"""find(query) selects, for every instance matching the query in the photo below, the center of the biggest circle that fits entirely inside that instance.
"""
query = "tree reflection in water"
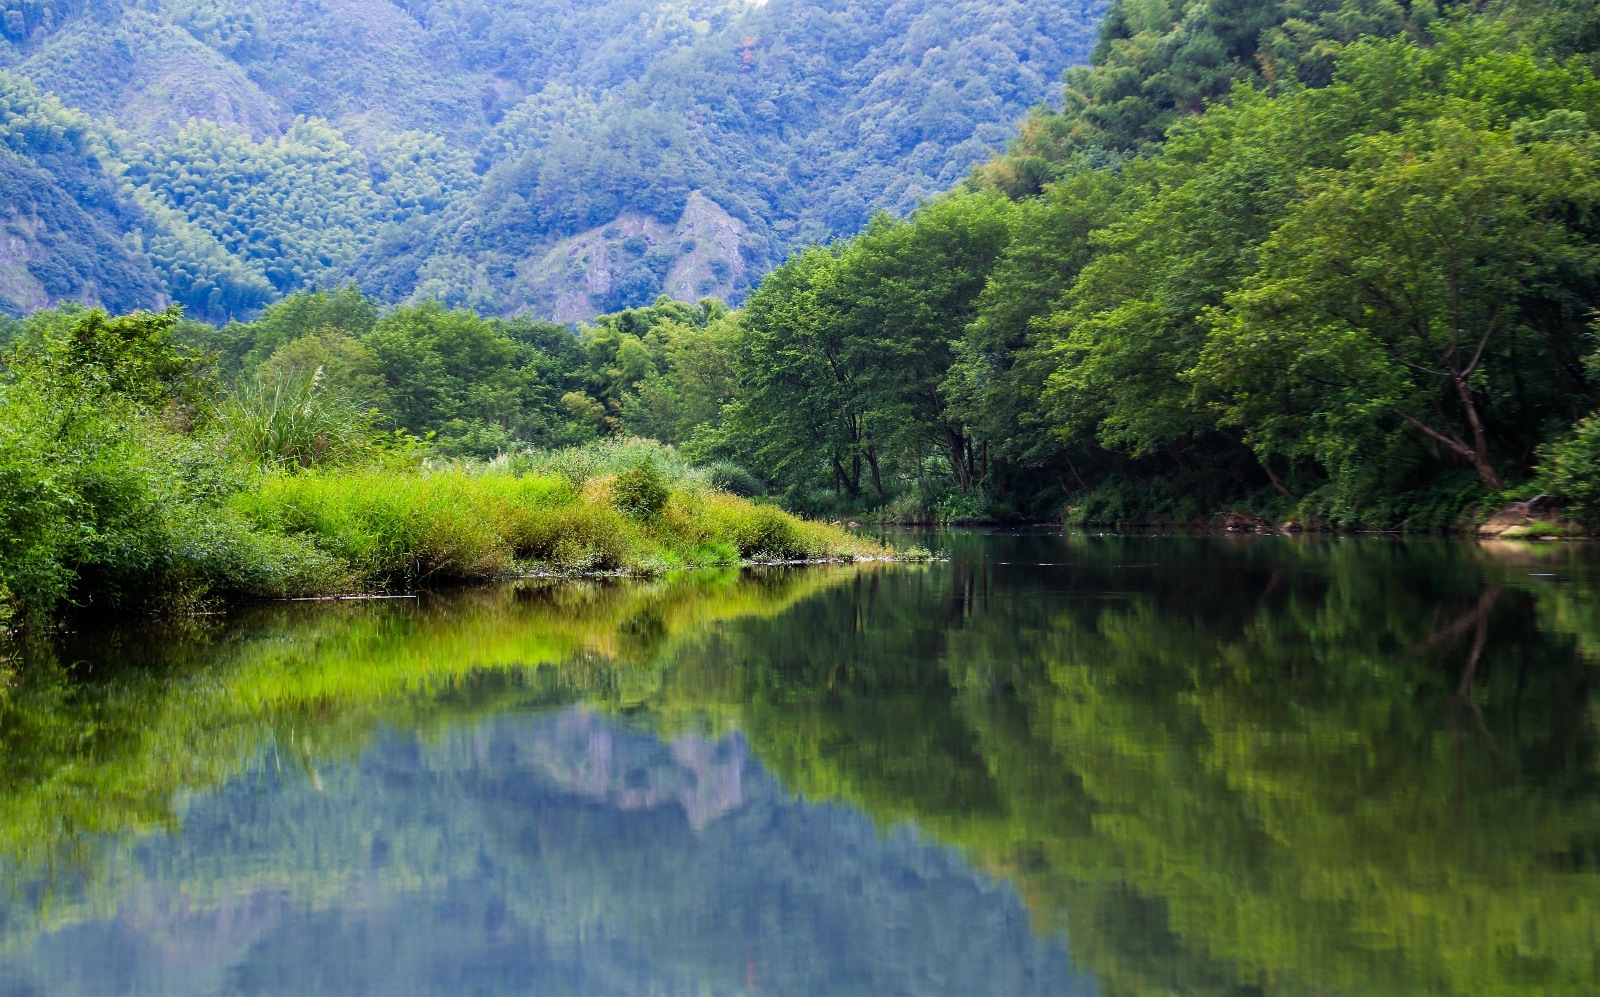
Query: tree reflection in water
(1276, 765)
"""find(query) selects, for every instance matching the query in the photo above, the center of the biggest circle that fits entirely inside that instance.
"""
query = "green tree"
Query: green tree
(906, 293)
(799, 399)
(1003, 358)
(847, 351)
(1394, 289)
(341, 364)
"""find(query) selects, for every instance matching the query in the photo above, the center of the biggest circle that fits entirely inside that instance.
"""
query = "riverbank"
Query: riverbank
(377, 530)
(1538, 518)
(465, 523)
(1462, 511)
(131, 484)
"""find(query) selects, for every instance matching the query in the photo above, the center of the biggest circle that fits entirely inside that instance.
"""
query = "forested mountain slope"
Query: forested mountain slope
(503, 154)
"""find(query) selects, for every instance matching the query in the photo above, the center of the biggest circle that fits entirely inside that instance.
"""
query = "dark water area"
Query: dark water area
(1054, 764)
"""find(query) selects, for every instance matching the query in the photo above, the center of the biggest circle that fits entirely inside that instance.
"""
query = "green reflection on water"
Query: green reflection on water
(1285, 766)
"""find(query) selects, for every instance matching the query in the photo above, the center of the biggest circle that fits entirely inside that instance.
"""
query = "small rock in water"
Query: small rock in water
(855, 525)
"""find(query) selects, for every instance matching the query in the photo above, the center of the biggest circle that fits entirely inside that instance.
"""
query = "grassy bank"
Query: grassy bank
(276, 533)
(465, 522)
(130, 482)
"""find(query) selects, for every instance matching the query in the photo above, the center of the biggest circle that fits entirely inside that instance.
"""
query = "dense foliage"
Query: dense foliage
(130, 482)
(483, 387)
(1331, 264)
(1365, 302)
(223, 153)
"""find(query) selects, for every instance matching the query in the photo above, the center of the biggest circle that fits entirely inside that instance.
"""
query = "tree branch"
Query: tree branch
(1453, 444)
(1478, 353)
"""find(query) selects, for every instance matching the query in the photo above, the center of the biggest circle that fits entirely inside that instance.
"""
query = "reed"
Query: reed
(292, 421)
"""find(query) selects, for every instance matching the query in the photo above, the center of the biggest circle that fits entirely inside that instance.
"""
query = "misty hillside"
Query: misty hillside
(511, 155)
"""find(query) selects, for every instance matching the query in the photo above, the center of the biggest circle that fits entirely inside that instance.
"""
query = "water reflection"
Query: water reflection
(1206, 765)
(555, 853)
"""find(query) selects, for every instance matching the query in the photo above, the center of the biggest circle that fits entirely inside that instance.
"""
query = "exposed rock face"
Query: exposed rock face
(634, 257)
(714, 267)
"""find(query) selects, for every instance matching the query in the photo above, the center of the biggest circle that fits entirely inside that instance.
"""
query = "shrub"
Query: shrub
(579, 536)
(606, 458)
(1570, 469)
(464, 439)
(106, 499)
(734, 480)
(640, 492)
(101, 505)
(765, 532)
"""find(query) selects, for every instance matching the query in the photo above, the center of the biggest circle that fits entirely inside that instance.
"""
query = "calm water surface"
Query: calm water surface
(1056, 764)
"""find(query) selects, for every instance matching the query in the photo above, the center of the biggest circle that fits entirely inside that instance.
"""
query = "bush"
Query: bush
(607, 458)
(104, 500)
(1570, 469)
(580, 536)
(640, 492)
(485, 441)
(733, 479)
(766, 532)
(107, 509)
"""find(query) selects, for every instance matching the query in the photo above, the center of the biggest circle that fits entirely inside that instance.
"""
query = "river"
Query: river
(1053, 764)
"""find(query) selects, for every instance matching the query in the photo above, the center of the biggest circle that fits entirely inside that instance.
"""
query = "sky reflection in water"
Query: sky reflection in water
(559, 852)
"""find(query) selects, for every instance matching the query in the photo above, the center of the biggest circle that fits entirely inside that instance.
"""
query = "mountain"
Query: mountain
(563, 158)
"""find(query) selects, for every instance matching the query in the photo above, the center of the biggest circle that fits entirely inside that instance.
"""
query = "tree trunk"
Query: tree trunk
(955, 444)
(1479, 463)
(1277, 482)
(1480, 439)
(877, 479)
(855, 474)
(1074, 469)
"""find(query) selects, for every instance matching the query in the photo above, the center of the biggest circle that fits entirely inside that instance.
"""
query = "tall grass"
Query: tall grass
(293, 421)
(614, 457)
(464, 522)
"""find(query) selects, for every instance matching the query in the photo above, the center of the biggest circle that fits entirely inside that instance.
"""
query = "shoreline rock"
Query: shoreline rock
(1538, 518)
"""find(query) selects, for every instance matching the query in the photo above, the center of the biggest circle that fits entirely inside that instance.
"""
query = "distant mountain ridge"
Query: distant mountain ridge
(510, 155)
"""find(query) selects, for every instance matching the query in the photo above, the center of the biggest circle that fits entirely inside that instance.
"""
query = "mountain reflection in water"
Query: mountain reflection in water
(555, 853)
(1056, 764)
